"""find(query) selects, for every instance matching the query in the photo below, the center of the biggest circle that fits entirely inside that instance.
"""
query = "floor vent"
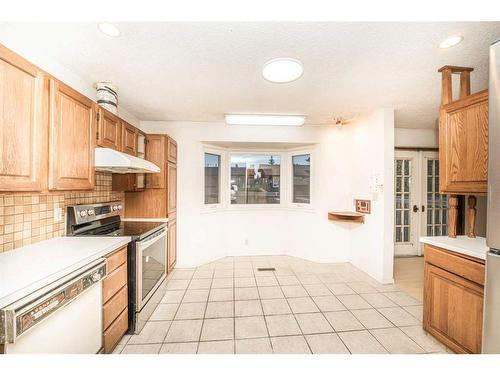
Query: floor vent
(266, 269)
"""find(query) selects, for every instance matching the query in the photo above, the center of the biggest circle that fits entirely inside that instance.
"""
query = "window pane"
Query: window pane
(255, 179)
(301, 178)
(212, 170)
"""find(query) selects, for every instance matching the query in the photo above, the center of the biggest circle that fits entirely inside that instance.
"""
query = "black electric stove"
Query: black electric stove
(146, 253)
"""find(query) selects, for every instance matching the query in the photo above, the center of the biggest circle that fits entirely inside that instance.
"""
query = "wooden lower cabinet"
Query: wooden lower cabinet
(115, 300)
(453, 299)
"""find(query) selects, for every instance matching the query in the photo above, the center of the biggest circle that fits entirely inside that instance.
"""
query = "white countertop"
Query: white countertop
(152, 220)
(29, 268)
(474, 247)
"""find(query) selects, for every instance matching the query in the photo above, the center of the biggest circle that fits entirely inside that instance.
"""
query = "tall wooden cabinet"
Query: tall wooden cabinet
(71, 139)
(463, 144)
(23, 130)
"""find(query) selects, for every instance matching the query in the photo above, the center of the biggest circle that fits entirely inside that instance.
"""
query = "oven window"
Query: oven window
(153, 265)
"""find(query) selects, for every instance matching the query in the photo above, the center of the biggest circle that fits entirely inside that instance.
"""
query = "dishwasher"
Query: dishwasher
(64, 317)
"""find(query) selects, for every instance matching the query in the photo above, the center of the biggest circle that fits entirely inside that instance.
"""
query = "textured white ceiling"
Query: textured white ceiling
(199, 71)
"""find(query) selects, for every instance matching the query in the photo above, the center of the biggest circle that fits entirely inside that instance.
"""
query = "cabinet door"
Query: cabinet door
(453, 309)
(129, 139)
(171, 190)
(23, 127)
(71, 139)
(172, 151)
(109, 133)
(463, 145)
(172, 245)
(155, 153)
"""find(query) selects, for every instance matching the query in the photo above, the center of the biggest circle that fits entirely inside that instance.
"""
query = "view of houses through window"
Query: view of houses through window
(301, 178)
(255, 179)
(212, 173)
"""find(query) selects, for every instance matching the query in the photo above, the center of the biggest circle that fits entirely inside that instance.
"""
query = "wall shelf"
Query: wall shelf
(346, 216)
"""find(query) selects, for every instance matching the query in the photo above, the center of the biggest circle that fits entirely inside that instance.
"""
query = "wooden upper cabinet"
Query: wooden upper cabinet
(109, 133)
(463, 137)
(156, 147)
(172, 150)
(129, 139)
(71, 139)
(171, 190)
(23, 124)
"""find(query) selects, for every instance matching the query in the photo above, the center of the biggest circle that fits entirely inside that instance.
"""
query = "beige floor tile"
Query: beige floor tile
(317, 290)
(141, 349)
(242, 294)
(290, 345)
(377, 300)
(423, 339)
(343, 321)
(328, 303)
(354, 301)
(253, 346)
(395, 341)
(398, 316)
(222, 283)
(125, 339)
(302, 305)
(198, 295)
(224, 309)
(217, 329)
(179, 348)
(284, 271)
(371, 319)
(118, 349)
(203, 274)
(291, 291)
(173, 296)
(416, 311)
(361, 342)
(191, 310)
(250, 327)
(216, 347)
(361, 287)
(221, 273)
(225, 294)
(306, 279)
(275, 306)
(200, 284)
(266, 281)
(313, 323)
(164, 311)
(184, 331)
(180, 274)
(270, 292)
(152, 333)
(340, 289)
(327, 343)
(248, 308)
(243, 272)
(244, 282)
(282, 325)
(409, 276)
(288, 280)
(402, 299)
(177, 284)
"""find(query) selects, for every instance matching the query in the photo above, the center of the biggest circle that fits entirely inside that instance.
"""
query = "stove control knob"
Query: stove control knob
(120, 206)
(90, 212)
(83, 213)
(96, 277)
(115, 208)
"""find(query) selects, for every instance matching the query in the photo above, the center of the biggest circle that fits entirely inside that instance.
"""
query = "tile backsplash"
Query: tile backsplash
(26, 218)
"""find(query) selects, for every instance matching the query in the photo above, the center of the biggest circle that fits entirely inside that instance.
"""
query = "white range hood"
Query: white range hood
(109, 160)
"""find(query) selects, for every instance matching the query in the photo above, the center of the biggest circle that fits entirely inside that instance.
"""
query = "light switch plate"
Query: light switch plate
(57, 214)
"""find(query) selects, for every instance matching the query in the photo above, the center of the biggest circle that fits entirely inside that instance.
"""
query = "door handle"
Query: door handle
(423, 208)
(415, 208)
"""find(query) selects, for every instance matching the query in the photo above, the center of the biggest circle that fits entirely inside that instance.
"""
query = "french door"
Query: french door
(419, 208)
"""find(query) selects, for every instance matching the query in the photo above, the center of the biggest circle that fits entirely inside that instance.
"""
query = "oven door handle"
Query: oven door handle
(146, 244)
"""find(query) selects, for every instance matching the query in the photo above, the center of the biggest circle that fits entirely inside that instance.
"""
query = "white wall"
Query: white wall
(27, 47)
(339, 158)
(416, 137)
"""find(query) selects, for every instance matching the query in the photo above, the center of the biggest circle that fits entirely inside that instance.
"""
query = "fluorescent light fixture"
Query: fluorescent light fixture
(452, 41)
(109, 29)
(279, 120)
(282, 70)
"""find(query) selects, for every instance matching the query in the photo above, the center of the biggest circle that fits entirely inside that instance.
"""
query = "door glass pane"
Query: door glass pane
(301, 178)
(212, 173)
(437, 204)
(403, 197)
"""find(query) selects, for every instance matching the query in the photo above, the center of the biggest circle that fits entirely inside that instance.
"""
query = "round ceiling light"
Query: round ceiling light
(109, 29)
(450, 42)
(282, 70)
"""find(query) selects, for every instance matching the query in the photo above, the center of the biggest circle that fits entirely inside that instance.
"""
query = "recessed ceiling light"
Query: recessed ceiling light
(282, 70)
(450, 42)
(284, 120)
(109, 29)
